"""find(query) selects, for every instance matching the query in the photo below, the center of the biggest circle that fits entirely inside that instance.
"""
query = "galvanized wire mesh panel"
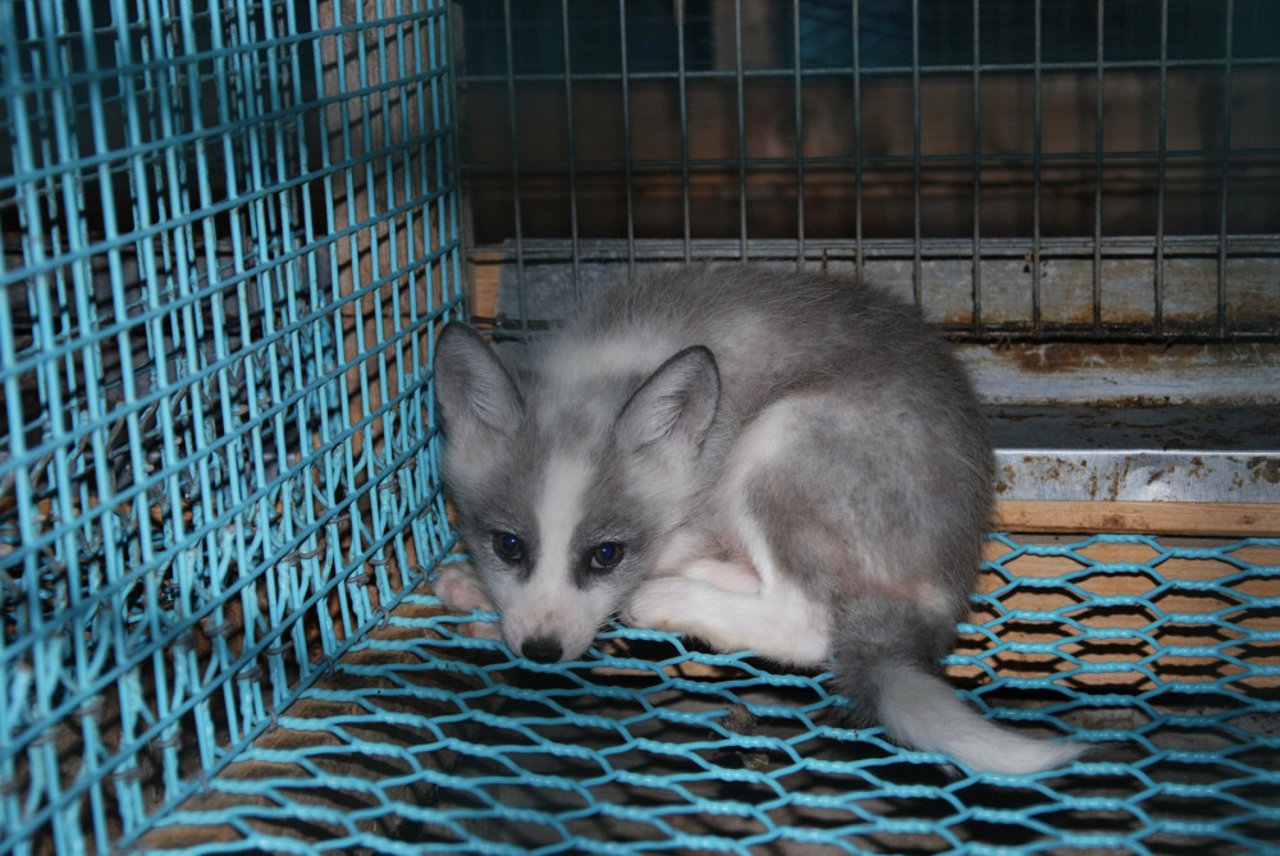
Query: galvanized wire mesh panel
(1161, 654)
(1039, 169)
(229, 230)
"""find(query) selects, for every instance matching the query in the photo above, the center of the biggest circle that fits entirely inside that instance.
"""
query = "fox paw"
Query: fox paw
(458, 590)
(656, 604)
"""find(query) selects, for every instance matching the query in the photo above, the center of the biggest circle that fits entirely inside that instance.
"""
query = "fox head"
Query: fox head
(567, 481)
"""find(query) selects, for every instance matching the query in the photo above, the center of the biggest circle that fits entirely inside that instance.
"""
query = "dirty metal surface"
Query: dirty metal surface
(1132, 454)
(1155, 375)
(1074, 420)
(989, 300)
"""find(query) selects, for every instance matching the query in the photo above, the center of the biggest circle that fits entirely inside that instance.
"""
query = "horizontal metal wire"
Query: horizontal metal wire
(656, 249)
(867, 72)
(1143, 156)
(167, 63)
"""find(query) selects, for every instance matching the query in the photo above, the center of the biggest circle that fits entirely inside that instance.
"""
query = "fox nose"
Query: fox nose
(542, 649)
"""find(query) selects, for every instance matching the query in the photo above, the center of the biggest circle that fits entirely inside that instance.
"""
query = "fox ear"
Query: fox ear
(678, 401)
(472, 385)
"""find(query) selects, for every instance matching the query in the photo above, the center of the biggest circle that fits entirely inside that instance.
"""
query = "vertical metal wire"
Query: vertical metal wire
(857, 146)
(626, 142)
(795, 45)
(84, 584)
(82, 578)
(93, 369)
(739, 79)
(448, 165)
(977, 169)
(360, 310)
(308, 298)
(1157, 316)
(1227, 50)
(133, 708)
(226, 382)
(916, 164)
(176, 204)
(682, 83)
(1036, 167)
(572, 153)
(1097, 172)
(522, 298)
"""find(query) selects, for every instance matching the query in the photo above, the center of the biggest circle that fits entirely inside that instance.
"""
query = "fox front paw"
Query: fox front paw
(458, 590)
(656, 604)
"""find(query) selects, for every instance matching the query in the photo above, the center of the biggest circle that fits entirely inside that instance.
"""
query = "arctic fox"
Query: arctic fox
(784, 462)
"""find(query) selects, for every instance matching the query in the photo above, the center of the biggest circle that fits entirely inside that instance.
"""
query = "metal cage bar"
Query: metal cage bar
(916, 159)
(740, 91)
(977, 169)
(1098, 138)
(686, 219)
(798, 95)
(1157, 309)
(1160, 168)
(571, 151)
(1227, 51)
(229, 232)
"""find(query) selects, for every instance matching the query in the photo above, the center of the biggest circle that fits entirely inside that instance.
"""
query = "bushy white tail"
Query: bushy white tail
(884, 649)
(922, 711)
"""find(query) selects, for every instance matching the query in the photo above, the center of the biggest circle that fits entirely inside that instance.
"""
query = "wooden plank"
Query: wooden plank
(1160, 518)
(485, 281)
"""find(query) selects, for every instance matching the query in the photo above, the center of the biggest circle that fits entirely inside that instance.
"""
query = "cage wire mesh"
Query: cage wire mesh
(230, 231)
(1162, 654)
(1020, 170)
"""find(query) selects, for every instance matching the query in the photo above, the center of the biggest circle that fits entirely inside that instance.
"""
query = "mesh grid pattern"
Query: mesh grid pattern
(1161, 654)
(229, 232)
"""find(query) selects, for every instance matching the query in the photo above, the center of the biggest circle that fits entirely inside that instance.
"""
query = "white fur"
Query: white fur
(560, 509)
(728, 576)
(767, 434)
(741, 606)
(735, 607)
(923, 711)
(784, 625)
(641, 352)
(548, 604)
(457, 588)
(804, 624)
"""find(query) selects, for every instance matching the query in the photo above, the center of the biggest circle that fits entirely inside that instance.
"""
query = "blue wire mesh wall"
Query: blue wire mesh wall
(229, 232)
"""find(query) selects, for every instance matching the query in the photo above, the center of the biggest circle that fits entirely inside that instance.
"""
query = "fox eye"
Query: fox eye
(508, 547)
(605, 556)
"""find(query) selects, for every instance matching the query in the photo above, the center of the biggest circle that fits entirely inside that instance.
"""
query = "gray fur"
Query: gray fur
(872, 509)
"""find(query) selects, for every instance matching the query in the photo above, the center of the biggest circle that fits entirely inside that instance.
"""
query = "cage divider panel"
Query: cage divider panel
(232, 229)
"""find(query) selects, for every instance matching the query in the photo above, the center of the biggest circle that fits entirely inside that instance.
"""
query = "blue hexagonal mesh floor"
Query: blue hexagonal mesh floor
(1161, 654)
